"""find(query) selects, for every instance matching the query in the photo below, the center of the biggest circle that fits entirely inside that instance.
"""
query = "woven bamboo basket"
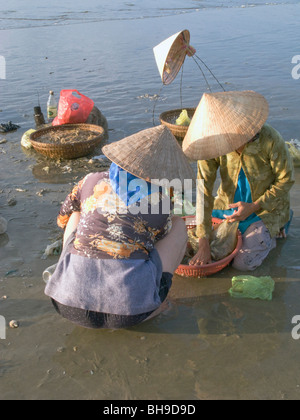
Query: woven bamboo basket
(203, 271)
(169, 118)
(71, 150)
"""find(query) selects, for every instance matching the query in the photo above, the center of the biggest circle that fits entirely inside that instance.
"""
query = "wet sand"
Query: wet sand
(207, 345)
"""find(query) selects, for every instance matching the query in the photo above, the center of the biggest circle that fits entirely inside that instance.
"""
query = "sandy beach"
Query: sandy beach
(207, 345)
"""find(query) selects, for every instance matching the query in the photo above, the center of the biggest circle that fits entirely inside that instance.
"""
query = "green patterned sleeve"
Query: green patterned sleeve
(207, 171)
(283, 171)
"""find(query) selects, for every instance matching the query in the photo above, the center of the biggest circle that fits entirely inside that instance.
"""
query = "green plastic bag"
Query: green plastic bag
(252, 287)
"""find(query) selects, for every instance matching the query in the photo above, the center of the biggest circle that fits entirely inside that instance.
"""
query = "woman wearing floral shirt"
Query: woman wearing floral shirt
(121, 247)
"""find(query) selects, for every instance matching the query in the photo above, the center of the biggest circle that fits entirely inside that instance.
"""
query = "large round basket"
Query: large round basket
(169, 118)
(203, 271)
(72, 149)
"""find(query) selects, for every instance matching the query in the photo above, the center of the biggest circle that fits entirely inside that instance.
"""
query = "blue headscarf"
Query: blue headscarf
(127, 186)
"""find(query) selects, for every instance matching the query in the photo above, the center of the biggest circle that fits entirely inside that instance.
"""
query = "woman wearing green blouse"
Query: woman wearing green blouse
(229, 135)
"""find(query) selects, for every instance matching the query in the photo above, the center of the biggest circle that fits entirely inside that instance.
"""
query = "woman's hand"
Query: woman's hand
(203, 256)
(242, 211)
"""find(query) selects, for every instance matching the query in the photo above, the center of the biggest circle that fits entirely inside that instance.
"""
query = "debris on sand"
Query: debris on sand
(6, 127)
(3, 225)
(14, 324)
(53, 249)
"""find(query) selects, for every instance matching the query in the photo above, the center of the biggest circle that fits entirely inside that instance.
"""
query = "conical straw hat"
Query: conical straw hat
(170, 55)
(224, 122)
(151, 154)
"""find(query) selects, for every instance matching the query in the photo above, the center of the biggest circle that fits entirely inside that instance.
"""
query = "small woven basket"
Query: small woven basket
(169, 118)
(203, 271)
(72, 149)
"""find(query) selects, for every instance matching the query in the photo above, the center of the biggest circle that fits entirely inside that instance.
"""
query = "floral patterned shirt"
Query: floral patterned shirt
(107, 228)
(269, 170)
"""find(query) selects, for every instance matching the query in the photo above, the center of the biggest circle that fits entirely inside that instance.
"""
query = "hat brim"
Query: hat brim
(170, 55)
(152, 154)
(224, 122)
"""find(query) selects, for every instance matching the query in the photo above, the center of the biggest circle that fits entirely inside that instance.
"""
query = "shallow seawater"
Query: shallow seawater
(207, 345)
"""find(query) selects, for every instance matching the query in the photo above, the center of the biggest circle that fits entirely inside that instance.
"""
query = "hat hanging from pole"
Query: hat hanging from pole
(224, 122)
(151, 154)
(170, 55)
